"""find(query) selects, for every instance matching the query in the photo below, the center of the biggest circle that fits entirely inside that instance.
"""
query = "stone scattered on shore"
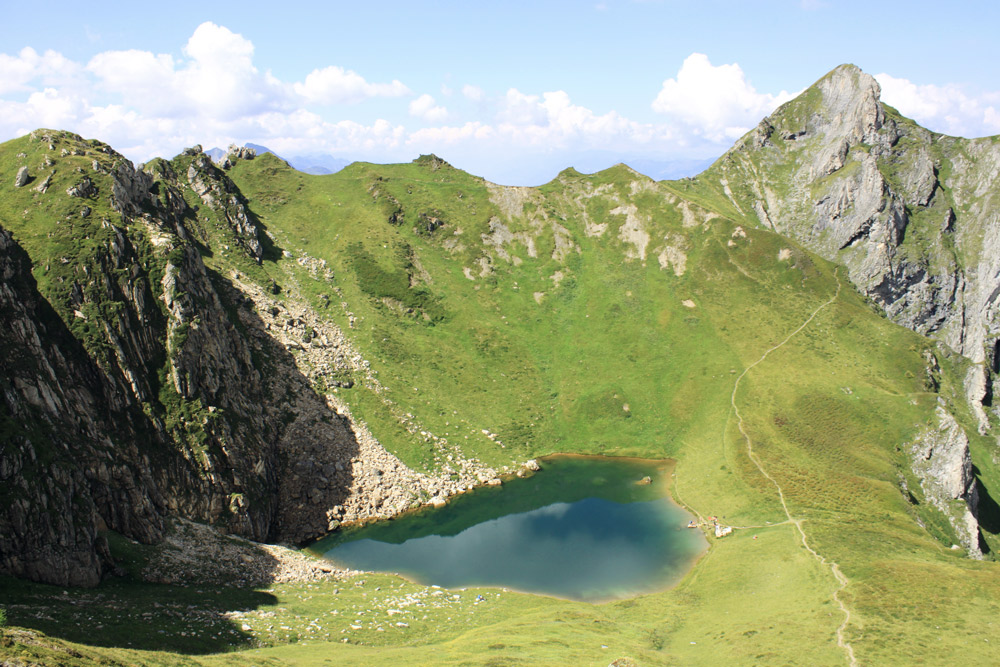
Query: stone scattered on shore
(194, 553)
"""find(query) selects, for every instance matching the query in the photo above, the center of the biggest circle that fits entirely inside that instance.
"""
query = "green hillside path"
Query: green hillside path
(834, 568)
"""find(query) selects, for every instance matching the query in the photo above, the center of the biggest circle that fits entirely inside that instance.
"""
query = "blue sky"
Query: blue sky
(514, 92)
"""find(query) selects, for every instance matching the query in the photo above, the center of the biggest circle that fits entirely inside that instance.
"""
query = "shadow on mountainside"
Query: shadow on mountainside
(315, 445)
(198, 591)
(988, 512)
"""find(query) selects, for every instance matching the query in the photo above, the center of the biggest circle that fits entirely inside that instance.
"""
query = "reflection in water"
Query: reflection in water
(589, 549)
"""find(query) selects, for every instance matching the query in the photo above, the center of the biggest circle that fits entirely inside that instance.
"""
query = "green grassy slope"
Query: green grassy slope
(512, 311)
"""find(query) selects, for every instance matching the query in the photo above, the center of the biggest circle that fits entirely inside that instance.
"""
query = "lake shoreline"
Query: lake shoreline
(600, 509)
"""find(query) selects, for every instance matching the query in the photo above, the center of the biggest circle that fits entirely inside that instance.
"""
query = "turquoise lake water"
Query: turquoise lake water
(581, 528)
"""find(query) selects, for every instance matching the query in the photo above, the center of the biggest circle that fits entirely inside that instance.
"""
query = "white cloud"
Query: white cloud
(535, 136)
(551, 119)
(46, 108)
(474, 93)
(717, 103)
(148, 104)
(425, 107)
(142, 80)
(946, 109)
(221, 78)
(218, 80)
(335, 85)
(471, 131)
(213, 92)
(518, 108)
(16, 72)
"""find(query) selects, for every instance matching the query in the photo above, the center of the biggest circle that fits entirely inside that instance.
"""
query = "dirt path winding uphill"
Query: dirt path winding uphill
(834, 567)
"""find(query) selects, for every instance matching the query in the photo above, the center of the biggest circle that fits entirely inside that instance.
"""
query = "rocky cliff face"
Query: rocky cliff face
(910, 213)
(141, 383)
(942, 462)
(57, 409)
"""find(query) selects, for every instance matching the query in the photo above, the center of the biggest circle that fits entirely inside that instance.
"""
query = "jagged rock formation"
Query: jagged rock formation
(219, 194)
(235, 153)
(57, 408)
(145, 385)
(942, 462)
(910, 213)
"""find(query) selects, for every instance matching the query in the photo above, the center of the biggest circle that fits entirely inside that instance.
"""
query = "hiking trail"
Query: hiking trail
(834, 567)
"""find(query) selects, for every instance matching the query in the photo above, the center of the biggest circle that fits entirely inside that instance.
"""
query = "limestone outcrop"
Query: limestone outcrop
(21, 179)
(942, 462)
(910, 213)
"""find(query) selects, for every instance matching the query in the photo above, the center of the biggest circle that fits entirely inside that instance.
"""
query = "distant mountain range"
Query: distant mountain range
(660, 170)
(309, 164)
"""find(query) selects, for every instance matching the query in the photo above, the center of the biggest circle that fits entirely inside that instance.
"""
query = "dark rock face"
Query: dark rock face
(161, 407)
(60, 472)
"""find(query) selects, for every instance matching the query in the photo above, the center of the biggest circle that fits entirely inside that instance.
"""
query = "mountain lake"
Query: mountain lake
(583, 528)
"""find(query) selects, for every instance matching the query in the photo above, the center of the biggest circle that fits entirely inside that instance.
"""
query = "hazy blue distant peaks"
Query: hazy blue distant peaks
(309, 164)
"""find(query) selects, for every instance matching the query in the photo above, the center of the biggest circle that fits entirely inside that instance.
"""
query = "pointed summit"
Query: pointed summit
(843, 108)
(852, 179)
(852, 104)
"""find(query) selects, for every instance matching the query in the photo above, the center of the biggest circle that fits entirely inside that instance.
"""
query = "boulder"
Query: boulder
(85, 188)
(44, 185)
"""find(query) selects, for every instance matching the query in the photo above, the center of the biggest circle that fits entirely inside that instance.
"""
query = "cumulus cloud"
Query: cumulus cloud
(553, 120)
(947, 109)
(211, 91)
(148, 104)
(518, 108)
(717, 103)
(425, 107)
(335, 85)
(218, 79)
(544, 123)
(45, 108)
(432, 136)
(474, 93)
(51, 67)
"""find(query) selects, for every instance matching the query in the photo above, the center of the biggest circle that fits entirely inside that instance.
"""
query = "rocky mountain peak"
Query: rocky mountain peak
(852, 105)
(902, 208)
(841, 110)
